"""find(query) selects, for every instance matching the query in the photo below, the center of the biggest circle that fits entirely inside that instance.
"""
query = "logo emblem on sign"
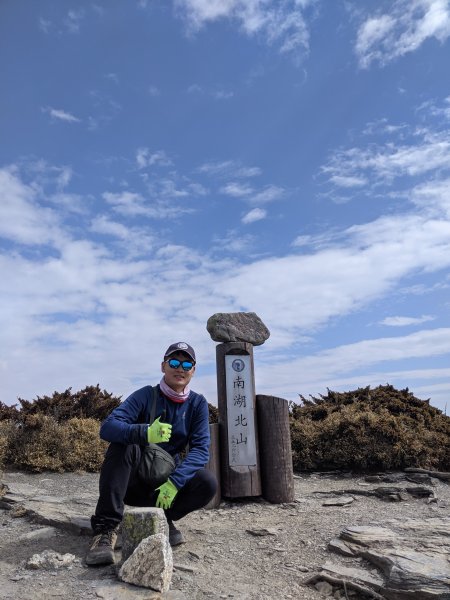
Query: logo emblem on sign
(238, 365)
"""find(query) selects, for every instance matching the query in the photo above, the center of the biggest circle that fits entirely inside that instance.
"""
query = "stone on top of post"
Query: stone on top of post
(237, 327)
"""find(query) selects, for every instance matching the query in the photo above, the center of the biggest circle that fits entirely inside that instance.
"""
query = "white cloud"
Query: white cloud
(22, 219)
(61, 115)
(237, 190)
(132, 204)
(383, 163)
(73, 20)
(268, 194)
(44, 25)
(278, 22)
(347, 181)
(257, 214)
(408, 25)
(154, 91)
(145, 158)
(223, 94)
(106, 226)
(229, 169)
(405, 321)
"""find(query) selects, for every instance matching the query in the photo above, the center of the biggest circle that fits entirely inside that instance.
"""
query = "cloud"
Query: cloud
(405, 321)
(257, 214)
(61, 115)
(145, 158)
(133, 204)
(229, 169)
(44, 25)
(73, 20)
(153, 90)
(22, 219)
(223, 94)
(277, 22)
(106, 226)
(236, 190)
(409, 23)
(268, 194)
(427, 152)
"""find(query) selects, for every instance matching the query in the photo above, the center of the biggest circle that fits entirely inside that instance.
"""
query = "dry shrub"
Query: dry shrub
(213, 413)
(366, 430)
(42, 444)
(37, 445)
(89, 403)
(6, 429)
(85, 449)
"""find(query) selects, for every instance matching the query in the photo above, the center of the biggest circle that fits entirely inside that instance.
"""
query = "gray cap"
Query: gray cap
(180, 347)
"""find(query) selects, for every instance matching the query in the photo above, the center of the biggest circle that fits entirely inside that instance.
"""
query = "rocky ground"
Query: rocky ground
(247, 550)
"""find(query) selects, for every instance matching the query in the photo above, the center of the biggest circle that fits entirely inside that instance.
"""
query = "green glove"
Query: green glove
(159, 432)
(167, 493)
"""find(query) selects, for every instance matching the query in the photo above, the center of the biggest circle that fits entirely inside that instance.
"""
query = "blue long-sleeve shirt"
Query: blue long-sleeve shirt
(128, 423)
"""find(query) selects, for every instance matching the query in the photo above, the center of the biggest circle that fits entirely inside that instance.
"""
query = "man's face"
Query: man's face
(177, 379)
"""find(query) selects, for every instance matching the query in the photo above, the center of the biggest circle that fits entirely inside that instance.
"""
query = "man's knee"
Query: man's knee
(208, 483)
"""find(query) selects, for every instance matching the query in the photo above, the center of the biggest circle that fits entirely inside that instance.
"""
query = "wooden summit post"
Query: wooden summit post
(237, 420)
(275, 451)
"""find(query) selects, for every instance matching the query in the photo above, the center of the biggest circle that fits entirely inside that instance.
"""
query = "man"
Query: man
(181, 418)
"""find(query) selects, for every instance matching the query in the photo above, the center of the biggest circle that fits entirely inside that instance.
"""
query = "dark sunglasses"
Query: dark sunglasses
(174, 363)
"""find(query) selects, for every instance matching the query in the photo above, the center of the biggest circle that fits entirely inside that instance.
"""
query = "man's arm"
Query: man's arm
(122, 425)
(199, 441)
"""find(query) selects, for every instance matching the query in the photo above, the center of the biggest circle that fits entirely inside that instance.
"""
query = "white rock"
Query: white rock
(150, 565)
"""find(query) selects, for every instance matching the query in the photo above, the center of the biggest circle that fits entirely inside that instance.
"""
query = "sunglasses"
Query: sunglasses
(174, 363)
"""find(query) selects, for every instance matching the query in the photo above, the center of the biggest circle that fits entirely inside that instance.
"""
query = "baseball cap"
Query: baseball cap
(180, 347)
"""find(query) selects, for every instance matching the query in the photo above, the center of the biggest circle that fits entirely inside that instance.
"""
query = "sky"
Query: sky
(165, 160)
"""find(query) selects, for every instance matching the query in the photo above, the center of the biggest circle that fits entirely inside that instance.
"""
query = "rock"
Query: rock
(354, 573)
(24, 499)
(340, 547)
(150, 565)
(237, 327)
(412, 555)
(342, 501)
(324, 588)
(44, 533)
(139, 523)
(50, 560)
(124, 591)
(262, 532)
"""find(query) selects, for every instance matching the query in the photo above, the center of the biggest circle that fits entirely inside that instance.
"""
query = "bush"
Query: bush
(42, 444)
(90, 403)
(369, 429)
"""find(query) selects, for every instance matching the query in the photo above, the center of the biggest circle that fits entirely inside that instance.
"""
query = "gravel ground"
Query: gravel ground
(248, 549)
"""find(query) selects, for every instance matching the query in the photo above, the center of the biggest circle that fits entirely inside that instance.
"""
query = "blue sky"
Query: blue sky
(162, 161)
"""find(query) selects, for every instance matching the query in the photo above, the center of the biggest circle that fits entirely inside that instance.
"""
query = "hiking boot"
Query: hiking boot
(175, 536)
(101, 551)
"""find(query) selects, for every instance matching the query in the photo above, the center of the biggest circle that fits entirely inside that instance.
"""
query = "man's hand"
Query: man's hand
(159, 432)
(167, 493)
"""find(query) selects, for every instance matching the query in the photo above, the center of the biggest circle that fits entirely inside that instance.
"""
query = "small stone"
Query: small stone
(262, 531)
(44, 533)
(324, 588)
(185, 568)
(342, 501)
(237, 327)
(50, 560)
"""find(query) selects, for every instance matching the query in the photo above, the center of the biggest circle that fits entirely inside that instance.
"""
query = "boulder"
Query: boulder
(150, 565)
(237, 327)
(139, 523)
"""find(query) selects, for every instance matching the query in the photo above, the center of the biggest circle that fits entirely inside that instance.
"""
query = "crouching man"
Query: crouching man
(181, 419)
